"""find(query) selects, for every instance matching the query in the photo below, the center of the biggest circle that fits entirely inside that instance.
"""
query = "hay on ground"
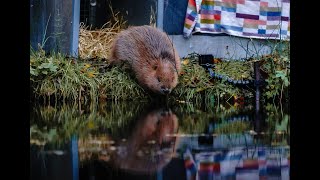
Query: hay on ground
(96, 44)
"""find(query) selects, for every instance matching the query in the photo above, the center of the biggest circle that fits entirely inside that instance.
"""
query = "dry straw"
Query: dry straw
(96, 44)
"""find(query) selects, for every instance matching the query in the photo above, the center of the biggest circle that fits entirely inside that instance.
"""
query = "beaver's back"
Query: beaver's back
(141, 44)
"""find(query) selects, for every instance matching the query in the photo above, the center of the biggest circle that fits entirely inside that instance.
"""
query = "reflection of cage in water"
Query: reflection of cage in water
(88, 12)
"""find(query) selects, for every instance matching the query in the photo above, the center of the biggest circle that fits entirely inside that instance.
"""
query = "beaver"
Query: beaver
(151, 56)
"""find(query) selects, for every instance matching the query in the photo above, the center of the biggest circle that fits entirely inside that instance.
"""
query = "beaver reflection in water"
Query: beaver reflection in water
(148, 148)
(151, 55)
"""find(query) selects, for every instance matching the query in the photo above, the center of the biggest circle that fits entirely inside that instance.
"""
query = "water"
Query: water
(159, 141)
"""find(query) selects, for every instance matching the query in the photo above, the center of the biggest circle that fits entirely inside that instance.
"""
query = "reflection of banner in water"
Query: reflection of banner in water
(239, 163)
(222, 141)
(225, 141)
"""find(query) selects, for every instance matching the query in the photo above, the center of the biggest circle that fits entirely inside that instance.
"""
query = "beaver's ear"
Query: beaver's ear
(155, 67)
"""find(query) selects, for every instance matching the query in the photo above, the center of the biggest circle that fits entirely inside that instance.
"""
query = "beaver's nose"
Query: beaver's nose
(165, 90)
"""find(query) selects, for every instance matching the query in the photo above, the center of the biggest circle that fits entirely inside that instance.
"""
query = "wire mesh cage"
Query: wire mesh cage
(88, 12)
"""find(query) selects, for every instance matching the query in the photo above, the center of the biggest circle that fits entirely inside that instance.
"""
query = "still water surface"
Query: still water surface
(133, 140)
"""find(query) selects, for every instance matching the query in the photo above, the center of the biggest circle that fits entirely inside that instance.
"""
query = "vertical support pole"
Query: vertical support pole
(257, 84)
(159, 174)
(160, 10)
(257, 97)
(75, 158)
(75, 28)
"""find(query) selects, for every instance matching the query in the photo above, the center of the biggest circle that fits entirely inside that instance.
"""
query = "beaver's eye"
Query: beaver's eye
(158, 79)
(155, 67)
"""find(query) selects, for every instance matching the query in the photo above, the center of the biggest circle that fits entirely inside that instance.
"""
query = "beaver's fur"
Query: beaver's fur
(151, 55)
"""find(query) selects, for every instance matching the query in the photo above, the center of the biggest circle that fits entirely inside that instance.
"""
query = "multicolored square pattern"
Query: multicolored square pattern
(248, 163)
(263, 19)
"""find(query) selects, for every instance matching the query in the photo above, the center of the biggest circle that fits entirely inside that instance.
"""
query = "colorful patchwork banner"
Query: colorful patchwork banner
(262, 19)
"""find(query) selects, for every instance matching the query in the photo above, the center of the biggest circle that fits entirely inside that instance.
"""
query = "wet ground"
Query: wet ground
(159, 141)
